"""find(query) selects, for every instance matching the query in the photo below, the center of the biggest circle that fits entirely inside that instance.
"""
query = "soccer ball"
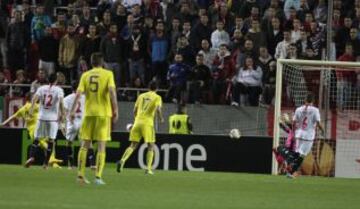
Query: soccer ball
(129, 126)
(235, 133)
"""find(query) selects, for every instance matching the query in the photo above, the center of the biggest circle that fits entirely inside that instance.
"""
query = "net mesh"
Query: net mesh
(337, 91)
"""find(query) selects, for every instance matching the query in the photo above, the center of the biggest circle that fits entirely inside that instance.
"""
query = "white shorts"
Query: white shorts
(303, 147)
(72, 129)
(46, 129)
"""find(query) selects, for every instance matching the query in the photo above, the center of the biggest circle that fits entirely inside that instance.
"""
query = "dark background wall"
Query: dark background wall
(173, 152)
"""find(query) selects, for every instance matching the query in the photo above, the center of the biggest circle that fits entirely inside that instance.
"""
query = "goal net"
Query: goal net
(336, 86)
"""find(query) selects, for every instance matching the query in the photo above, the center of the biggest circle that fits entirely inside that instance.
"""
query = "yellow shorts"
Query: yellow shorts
(31, 132)
(96, 128)
(141, 130)
(42, 143)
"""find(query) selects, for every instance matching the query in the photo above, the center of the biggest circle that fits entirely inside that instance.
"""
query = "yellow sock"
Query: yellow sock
(52, 156)
(149, 159)
(127, 154)
(82, 161)
(100, 163)
(43, 144)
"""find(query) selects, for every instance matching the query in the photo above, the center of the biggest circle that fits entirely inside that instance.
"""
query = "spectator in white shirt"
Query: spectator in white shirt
(129, 3)
(247, 84)
(281, 48)
(208, 53)
(219, 36)
(295, 32)
(291, 4)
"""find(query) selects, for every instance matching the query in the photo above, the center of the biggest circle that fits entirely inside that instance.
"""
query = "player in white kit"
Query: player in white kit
(51, 110)
(72, 128)
(306, 119)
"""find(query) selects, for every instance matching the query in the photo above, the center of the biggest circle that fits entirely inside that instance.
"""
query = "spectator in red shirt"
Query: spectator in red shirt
(3, 80)
(223, 70)
(346, 79)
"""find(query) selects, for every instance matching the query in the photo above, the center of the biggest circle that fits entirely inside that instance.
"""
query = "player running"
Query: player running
(30, 124)
(306, 119)
(100, 105)
(72, 128)
(51, 110)
(146, 105)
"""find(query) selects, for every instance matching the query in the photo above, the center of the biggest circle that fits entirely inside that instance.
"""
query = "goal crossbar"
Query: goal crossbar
(318, 63)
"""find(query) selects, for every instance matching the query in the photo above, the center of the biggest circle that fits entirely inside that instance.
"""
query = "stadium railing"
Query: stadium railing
(11, 87)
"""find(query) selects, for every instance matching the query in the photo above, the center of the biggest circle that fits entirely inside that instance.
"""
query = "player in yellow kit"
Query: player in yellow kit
(146, 105)
(30, 122)
(100, 105)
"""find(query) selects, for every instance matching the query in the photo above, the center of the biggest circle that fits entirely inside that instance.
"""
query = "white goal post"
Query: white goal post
(291, 75)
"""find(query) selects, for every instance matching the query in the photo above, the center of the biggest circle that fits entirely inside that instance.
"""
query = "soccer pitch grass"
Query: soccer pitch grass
(36, 188)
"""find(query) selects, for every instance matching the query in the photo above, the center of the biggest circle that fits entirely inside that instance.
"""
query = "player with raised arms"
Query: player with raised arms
(306, 120)
(51, 110)
(99, 89)
(146, 105)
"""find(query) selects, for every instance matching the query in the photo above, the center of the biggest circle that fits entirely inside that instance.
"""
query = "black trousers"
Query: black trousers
(252, 93)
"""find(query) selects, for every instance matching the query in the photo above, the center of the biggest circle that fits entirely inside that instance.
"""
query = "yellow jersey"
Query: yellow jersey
(146, 105)
(23, 112)
(95, 85)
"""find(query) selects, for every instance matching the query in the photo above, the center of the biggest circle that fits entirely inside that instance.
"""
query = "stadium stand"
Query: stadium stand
(141, 38)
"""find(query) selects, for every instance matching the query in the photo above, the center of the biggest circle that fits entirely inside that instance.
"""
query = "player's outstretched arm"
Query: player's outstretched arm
(33, 102)
(160, 114)
(21, 113)
(11, 118)
(320, 126)
(114, 104)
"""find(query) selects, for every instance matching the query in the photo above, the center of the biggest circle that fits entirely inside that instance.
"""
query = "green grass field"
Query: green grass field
(36, 188)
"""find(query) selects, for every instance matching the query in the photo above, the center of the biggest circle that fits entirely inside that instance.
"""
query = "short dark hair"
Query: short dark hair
(52, 78)
(74, 85)
(181, 108)
(153, 85)
(97, 59)
(224, 45)
(179, 53)
(200, 55)
(186, 20)
(310, 98)
(286, 30)
(113, 24)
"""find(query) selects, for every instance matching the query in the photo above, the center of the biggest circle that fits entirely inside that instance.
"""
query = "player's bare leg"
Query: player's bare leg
(100, 162)
(149, 158)
(82, 162)
(120, 164)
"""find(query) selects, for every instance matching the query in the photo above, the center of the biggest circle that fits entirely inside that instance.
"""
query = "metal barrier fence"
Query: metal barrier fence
(206, 119)
(137, 90)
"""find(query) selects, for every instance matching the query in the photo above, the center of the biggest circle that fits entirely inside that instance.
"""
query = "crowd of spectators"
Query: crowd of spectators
(202, 51)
